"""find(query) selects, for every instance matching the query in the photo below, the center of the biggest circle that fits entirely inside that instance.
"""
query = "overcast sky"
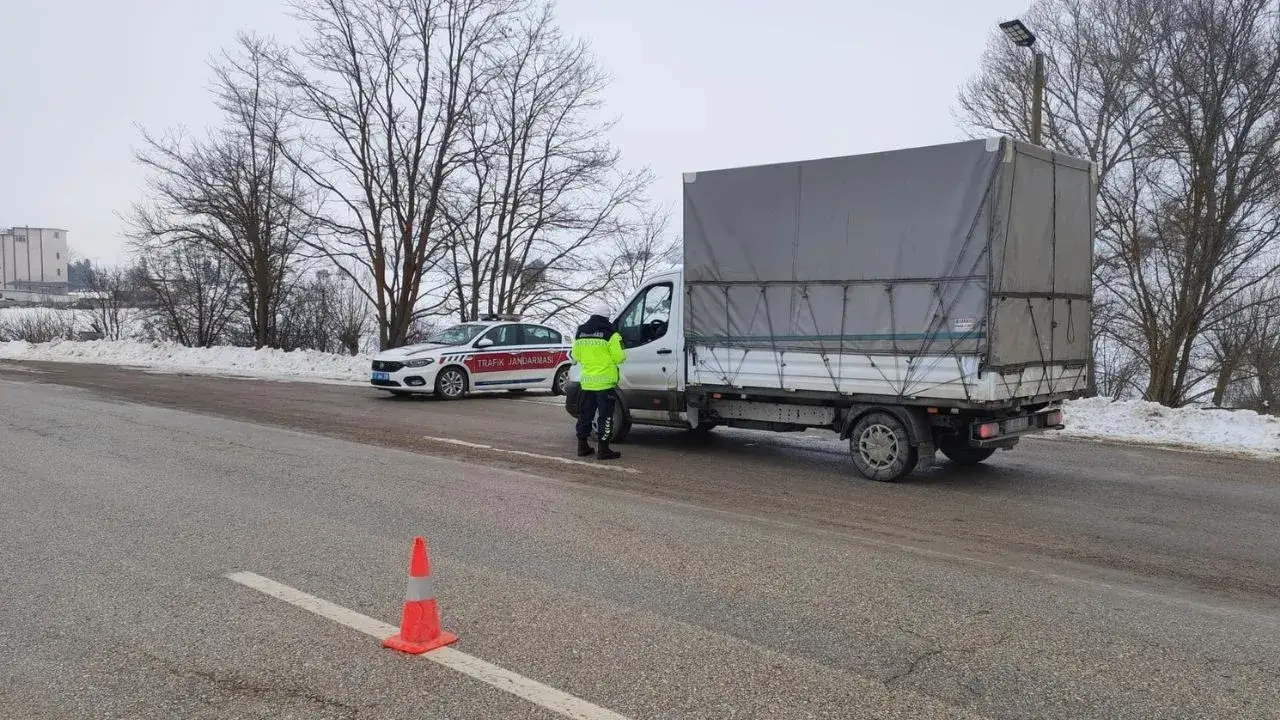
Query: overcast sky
(698, 84)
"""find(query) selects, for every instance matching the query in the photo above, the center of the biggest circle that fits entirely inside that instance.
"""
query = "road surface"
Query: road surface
(742, 575)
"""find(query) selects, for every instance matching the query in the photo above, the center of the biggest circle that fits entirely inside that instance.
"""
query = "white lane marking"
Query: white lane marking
(522, 687)
(550, 402)
(311, 603)
(463, 443)
(521, 453)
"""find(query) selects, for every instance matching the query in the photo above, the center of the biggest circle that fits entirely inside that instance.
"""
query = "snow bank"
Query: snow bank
(1126, 421)
(172, 357)
(1152, 423)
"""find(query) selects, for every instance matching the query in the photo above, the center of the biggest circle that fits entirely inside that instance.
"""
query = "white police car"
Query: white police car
(488, 355)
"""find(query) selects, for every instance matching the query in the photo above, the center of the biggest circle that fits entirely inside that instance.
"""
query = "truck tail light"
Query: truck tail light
(989, 430)
(1056, 418)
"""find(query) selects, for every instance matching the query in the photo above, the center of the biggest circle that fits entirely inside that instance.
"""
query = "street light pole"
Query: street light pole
(1037, 97)
(1021, 36)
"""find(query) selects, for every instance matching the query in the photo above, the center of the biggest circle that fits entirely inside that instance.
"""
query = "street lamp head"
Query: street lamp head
(1018, 33)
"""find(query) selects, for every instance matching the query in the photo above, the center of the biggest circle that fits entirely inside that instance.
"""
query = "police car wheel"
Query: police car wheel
(451, 383)
(561, 381)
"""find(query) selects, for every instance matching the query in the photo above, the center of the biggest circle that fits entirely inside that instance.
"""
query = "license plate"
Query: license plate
(381, 376)
(1017, 424)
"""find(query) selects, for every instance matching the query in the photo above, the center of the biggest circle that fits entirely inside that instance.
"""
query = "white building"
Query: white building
(33, 260)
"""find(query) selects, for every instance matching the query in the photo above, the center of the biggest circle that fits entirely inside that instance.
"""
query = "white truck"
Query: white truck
(911, 301)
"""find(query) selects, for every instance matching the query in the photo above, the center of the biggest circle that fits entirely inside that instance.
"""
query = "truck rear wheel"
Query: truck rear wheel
(881, 448)
(965, 455)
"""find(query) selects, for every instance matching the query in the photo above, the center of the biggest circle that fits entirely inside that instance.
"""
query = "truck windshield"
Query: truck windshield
(457, 335)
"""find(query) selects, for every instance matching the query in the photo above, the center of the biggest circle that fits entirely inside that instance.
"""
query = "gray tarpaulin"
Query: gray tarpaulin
(978, 248)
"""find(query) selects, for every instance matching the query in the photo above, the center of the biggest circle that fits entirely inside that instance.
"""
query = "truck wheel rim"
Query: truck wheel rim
(879, 447)
(452, 383)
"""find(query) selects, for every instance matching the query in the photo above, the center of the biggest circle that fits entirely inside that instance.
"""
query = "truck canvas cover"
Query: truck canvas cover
(980, 248)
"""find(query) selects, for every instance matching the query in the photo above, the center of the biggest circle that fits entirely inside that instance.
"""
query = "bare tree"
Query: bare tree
(1118, 373)
(352, 317)
(1247, 347)
(639, 255)
(195, 290)
(386, 90)
(233, 192)
(111, 301)
(1178, 104)
(1264, 359)
(543, 197)
(324, 313)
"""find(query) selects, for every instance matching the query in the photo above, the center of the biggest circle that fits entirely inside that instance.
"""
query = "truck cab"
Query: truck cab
(652, 380)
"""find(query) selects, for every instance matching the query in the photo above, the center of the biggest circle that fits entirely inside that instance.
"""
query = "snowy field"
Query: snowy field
(265, 364)
(79, 320)
(1126, 421)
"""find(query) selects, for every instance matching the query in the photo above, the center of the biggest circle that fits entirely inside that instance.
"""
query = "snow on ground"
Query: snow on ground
(1151, 423)
(1097, 418)
(172, 357)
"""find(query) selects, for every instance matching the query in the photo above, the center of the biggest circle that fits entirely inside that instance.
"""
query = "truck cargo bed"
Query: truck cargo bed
(959, 272)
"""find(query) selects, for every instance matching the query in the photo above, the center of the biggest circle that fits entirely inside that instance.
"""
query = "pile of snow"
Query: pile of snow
(1097, 418)
(1152, 423)
(172, 357)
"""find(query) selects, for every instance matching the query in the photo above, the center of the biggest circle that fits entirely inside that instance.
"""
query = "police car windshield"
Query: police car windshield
(457, 335)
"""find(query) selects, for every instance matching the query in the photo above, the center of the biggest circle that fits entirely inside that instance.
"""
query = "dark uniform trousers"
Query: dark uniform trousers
(597, 403)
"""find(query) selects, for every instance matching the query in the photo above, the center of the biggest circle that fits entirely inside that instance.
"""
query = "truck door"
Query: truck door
(649, 376)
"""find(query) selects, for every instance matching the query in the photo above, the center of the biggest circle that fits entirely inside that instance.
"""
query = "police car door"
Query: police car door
(543, 353)
(493, 364)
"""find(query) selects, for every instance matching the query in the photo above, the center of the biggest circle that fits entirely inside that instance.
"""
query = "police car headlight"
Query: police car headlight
(419, 362)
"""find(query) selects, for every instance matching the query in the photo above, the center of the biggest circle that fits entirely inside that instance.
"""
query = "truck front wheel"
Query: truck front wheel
(963, 454)
(881, 448)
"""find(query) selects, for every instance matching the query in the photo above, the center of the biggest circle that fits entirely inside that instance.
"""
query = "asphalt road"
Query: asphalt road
(743, 575)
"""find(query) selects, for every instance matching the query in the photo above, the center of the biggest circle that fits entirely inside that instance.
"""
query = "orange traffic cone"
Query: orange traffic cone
(420, 622)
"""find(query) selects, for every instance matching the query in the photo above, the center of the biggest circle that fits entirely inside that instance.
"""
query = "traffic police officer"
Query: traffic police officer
(597, 347)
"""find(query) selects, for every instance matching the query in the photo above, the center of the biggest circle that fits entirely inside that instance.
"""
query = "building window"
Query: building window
(57, 235)
(59, 256)
(59, 272)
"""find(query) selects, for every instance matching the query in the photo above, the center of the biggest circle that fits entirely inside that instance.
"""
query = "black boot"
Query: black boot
(584, 449)
(604, 453)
